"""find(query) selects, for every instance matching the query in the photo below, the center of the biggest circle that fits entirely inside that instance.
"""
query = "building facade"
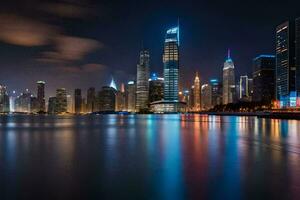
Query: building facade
(206, 97)
(107, 99)
(61, 101)
(78, 101)
(156, 88)
(91, 100)
(264, 79)
(130, 96)
(229, 90)
(4, 100)
(142, 85)
(41, 107)
(197, 94)
(216, 92)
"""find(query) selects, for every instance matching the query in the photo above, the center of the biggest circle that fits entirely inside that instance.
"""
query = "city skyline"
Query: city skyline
(98, 61)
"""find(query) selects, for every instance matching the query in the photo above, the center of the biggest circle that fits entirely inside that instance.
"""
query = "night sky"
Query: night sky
(82, 43)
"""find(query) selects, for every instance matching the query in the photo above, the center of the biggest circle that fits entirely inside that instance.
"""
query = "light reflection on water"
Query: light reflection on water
(149, 157)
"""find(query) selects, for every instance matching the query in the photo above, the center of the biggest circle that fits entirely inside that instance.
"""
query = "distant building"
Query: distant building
(197, 94)
(107, 99)
(130, 93)
(190, 103)
(156, 88)
(52, 105)
(297, 54)
(4, 100)
(120, 101)
(41, 107)
(206, 96)
(70, 104)
(142, 85)
(216, 92)
(78, 101)
(23, 102)
(61, 101)
(34, 104)
(229, 93)
(91, 100)
(264, 78)
(83, 105)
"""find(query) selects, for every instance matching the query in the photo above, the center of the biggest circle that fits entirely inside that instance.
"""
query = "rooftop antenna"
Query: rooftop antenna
(228, 54)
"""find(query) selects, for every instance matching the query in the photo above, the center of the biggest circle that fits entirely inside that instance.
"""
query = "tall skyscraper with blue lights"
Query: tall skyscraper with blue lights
(229, 93)
(171, 64)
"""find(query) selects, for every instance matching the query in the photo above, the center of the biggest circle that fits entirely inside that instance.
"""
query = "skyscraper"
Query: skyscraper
(130, 96)
(107, 99)
(78, 101)
(216, 95)
(197, 94)
(229, 93)
(156, 88)
(264, 78)
(91, 99)
(297, 48)
(41, 96)
(206, 96)
(285, 61)
(243, 87)
(4, 100)
(171, 64)
(142, 85)
(61, 101)
(23, 102)
(52, 105)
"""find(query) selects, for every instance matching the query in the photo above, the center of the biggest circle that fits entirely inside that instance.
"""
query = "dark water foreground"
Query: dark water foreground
(149, 157)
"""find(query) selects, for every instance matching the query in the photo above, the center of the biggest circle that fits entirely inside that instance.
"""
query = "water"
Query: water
(149, 157)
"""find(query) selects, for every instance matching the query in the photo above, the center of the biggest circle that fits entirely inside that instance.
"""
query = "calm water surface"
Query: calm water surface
(149, 157)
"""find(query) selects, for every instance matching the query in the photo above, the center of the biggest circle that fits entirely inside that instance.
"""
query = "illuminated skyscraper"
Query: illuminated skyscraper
(156, 88)
(206, 96)
(130, 93)
(78, 101)
(61, 101)
(142, 85)
(285, 60)
(197, 94)
(41, 96)
(171, 64)
(229, 93)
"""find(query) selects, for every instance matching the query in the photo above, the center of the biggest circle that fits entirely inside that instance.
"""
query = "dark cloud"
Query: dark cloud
(86, 68)
(19, 30)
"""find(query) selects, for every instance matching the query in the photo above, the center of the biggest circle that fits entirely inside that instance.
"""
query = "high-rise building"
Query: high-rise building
(156, 88)
(243, 87)
(52, 105)
(229, 93)
(34, 104)
(23, 102)
(70, 104)
(142, 85)
(4, 100)
(216, 92)
(78, 101)
(130, 93)
(41, 96)
(264, 78)
(197, 94)
(107, 99)
(191, 103)
(171, 64)
(285, 61)
(61, 100)
(297, 52)
(120, 101)
(91, 99)
(206, 96)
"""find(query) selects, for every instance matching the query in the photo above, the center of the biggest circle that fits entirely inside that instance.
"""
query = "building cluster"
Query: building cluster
(275, 80)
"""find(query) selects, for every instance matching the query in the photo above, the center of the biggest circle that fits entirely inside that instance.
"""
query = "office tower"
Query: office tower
(120, 101)
(297, 52)
(186, 96)
(70, 104)
(264, 78)
(4, 100)
(34, 104)
(91, 99)
(52, 105)
(206, 96)
(171, 64)
(142, 85)
(197, 94)
(243, 87)
(107, 99)
(22, 102)
(61, 100)
(229, 92)
(216, 92)
(191, 103)
(83, 105)
(78, 101)
(130, 96)
(285, 62)
(41, 96)
(12, 99)
(156, 88)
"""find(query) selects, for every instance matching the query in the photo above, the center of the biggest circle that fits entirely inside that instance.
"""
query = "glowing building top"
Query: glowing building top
(228, 62)
(113, 84)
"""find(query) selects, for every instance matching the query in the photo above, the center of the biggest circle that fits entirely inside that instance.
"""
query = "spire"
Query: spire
(113, 84)
(228, 54)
